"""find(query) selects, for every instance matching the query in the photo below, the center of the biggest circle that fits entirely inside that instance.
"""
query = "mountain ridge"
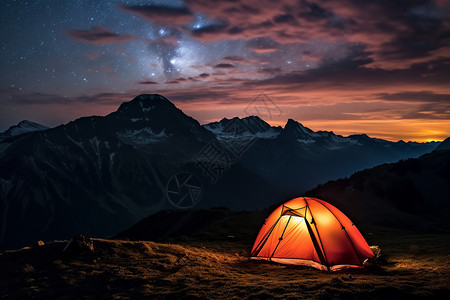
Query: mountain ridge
(410, 189)
(100, 174)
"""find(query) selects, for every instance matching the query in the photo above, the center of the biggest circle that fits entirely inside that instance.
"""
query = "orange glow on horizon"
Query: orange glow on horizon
(414, 130)
(391, 130)
(343, 112)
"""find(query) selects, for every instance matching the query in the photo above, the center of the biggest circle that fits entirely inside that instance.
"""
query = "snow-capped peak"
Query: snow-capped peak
(144, 104)
(299, 130)
(142, 136)
(248, 127)
(22, 127)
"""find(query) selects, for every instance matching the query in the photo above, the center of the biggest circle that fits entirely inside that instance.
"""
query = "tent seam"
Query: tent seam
(343, 227)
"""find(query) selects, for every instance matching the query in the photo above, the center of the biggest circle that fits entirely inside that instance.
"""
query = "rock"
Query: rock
(28, 269)
(347, 277)
(78, 245)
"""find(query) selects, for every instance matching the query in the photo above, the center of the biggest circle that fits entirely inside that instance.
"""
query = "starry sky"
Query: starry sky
(351, 66)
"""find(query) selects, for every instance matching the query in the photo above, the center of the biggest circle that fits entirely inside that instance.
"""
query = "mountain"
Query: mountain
(411, 193)
(295, 158)
(21, 128)
(99, 175)
(445, 145)
(247, 127)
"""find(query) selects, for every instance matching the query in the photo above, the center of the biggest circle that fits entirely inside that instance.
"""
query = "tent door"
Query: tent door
(290, 235)
(316, 246)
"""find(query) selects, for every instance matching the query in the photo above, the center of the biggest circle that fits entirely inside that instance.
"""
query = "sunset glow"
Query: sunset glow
(379, 68)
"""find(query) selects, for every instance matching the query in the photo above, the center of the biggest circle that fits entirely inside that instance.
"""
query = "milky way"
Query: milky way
(381, 67)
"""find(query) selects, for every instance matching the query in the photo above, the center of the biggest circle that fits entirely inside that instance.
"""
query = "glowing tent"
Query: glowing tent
(309, 231)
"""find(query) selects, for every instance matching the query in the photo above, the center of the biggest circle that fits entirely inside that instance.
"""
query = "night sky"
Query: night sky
(351, 66)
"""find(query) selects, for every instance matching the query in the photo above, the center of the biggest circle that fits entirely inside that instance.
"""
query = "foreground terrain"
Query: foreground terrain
(417, 266)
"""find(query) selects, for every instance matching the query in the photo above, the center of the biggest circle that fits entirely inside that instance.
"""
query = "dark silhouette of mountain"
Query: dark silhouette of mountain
(21, 128)
(296, 158)
(444, 145)
(411, 193)
(99, 175)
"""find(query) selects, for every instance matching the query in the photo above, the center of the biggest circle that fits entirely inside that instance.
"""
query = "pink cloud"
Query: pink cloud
(99, 36)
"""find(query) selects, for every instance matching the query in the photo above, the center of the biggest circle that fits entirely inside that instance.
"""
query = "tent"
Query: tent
(309, 231)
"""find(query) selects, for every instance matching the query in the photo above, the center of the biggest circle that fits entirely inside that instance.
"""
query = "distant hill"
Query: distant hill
(413, 193)
(444, 145)
(296, 158)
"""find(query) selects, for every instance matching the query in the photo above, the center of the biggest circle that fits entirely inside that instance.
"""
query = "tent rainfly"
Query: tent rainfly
(309, 231)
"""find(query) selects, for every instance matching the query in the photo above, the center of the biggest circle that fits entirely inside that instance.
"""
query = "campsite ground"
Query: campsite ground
(418, 267)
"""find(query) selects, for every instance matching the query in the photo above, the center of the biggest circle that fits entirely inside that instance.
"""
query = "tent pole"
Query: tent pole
(343, 228)
(281, 237)
(313, 237)
(264, 240)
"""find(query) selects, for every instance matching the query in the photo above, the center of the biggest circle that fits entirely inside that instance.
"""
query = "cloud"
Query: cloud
(224, 66)
(353, 73)
(262, 45)
(308, 53)
(396, 33)
(393, 31)
(160, 13)
(313, 11)
(270, 71)
(98, 36)
(211, 32)
(284, 18)
(233, 58)
(421, 96)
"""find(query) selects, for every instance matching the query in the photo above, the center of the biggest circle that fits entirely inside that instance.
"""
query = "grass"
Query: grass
(418, 267)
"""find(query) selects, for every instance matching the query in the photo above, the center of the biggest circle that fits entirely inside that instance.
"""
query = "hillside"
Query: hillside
(417, 268)
(413, 193)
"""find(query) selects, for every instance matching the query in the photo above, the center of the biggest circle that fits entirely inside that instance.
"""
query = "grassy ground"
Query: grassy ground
(418, 267)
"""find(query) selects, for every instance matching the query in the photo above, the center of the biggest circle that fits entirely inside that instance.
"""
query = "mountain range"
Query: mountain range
(99, 175)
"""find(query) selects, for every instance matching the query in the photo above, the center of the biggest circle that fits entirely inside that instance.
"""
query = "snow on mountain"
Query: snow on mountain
(141, 136)
(306, 141)
(295, 131)
(101, 174)
(21, 128)
(300, 131)
(245, 128)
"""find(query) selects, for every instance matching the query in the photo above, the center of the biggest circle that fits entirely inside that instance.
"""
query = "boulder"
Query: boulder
(79, 244)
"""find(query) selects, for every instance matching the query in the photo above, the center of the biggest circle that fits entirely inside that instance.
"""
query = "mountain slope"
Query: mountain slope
(411, 193)
(445, 145)
(101, 174)
(21, 128)
(295, 158)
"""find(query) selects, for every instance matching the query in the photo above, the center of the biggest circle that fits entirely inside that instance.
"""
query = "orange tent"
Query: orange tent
(309, 231)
